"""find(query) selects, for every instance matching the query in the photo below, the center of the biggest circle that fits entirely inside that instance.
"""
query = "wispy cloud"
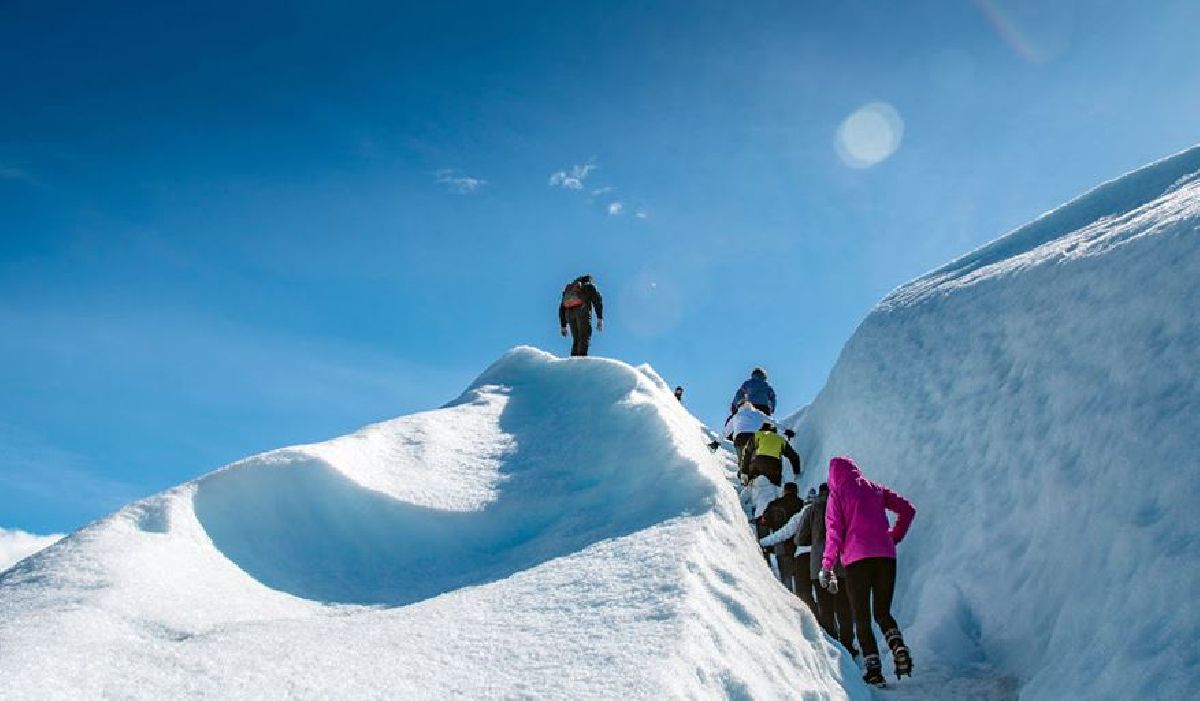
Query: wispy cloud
(642, 214)
(574, 178)
(615, 209)
(38, 470)
(18, 545)
(9, 172)
(457, 182)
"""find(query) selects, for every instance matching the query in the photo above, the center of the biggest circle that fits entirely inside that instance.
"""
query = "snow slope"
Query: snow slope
(559, 531)
(1039, 401)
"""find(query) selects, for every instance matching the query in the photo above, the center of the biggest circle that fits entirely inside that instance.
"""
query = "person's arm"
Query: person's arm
(597, 302)
(562, 315)
(788, 530)
(771, 398)
(835, 525)
(793, 457)
(904, 510)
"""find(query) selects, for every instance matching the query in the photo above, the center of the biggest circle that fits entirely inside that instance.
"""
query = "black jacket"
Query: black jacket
(591, 298)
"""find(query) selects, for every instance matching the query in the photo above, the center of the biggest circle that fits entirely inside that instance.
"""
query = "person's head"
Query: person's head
(679, 392)
(587, 279)
(768, 426)
(812, 494)
(759, 373)
(791, 488)
(823, 488)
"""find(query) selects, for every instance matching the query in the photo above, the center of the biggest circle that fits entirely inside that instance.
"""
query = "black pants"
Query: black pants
(740, 441)
(581, 331)
(769, 466)
(871, 584)
(785, 559)
(834, 615)
(804, 586)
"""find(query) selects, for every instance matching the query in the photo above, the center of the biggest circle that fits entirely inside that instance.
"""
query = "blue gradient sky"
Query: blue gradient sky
(229, 227)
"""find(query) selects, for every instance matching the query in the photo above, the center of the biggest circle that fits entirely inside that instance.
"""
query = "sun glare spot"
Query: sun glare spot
(869, 135)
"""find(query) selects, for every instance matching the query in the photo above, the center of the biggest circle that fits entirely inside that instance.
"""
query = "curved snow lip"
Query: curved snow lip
(302, 521)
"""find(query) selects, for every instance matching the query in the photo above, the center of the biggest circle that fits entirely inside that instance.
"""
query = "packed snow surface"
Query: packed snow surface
(1039, 402)
(559, 531)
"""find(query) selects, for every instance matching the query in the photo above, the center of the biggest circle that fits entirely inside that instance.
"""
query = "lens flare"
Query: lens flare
(869, 135)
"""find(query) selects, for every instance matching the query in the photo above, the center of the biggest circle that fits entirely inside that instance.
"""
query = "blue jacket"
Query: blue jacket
(757, 391)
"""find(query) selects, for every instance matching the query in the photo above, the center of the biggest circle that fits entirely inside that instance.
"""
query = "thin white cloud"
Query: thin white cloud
(602, 191)
(642, 214)
(17, 545)
(458, 183)
(8, 172)
(615, 209)
(574, 178)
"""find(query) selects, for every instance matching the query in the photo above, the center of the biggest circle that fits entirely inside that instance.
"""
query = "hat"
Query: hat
(758, 372)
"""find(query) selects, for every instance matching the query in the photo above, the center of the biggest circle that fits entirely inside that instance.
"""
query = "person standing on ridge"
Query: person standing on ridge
(757, 392)
(857, 532)
(679, 392)
(767, 450)
(575, 312)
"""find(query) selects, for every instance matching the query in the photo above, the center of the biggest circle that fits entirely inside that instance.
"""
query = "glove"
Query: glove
(564, 331)
(714, 446)
(828, 581)
(599, 324)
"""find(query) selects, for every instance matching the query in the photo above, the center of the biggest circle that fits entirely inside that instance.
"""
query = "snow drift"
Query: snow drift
(559, 531)
(1039, 401)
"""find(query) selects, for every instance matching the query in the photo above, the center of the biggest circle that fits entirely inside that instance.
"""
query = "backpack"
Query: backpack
(572, 296)
(776, 516)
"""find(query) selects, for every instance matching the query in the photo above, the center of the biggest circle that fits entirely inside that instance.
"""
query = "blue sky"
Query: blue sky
(230, 227)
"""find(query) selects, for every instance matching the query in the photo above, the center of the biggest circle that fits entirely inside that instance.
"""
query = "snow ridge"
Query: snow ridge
(560, 530)
(1038, 400)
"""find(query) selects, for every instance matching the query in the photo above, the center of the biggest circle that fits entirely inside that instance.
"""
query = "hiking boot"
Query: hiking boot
(900, 653)
(873, 673)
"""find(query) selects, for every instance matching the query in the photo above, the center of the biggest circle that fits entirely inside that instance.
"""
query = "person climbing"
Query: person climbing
(767, 450)
(776, 515)
(679, 392)
(740, 429)
(575, 312)
(857, 532)
(833, 604)
(784, 536)
(757, 391)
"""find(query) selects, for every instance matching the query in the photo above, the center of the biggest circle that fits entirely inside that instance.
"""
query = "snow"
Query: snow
(558, 531)
(1039, 402)
(16, 545)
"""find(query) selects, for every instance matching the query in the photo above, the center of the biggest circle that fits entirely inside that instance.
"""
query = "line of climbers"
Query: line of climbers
(837, 549)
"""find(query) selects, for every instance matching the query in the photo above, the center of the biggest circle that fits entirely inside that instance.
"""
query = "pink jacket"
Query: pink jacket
(856, 523)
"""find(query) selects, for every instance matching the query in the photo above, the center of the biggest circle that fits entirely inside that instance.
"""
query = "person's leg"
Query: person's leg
(858, 576)
(825, 610)
(787, 567)
(576, 333)
(586, 336)
(844, 621)
(883, 587)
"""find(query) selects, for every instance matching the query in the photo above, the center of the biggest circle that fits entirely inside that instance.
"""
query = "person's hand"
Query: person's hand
(564, 331)
(828, 581)
(599, 324)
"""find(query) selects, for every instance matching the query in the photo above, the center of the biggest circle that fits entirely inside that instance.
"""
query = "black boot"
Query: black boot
(900, 654)
(873, 670)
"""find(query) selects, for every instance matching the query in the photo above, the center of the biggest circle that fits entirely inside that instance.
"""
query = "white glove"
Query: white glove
(599, 324)
(828, 581)
(564, 331)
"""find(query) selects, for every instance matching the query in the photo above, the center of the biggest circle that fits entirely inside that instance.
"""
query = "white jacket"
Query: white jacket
(746, 420)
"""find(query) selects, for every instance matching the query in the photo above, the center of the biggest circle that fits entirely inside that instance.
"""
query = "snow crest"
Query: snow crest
(1039, 402)
(560, 530)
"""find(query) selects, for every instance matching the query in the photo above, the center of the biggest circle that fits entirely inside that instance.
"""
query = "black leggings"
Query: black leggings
(871, 584)
(581, 331)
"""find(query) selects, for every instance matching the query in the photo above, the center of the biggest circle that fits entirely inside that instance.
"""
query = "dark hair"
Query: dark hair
(790, 487)
(824, 488)
(760, 372)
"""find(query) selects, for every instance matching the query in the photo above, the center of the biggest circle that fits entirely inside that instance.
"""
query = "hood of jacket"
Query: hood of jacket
(842, 471)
